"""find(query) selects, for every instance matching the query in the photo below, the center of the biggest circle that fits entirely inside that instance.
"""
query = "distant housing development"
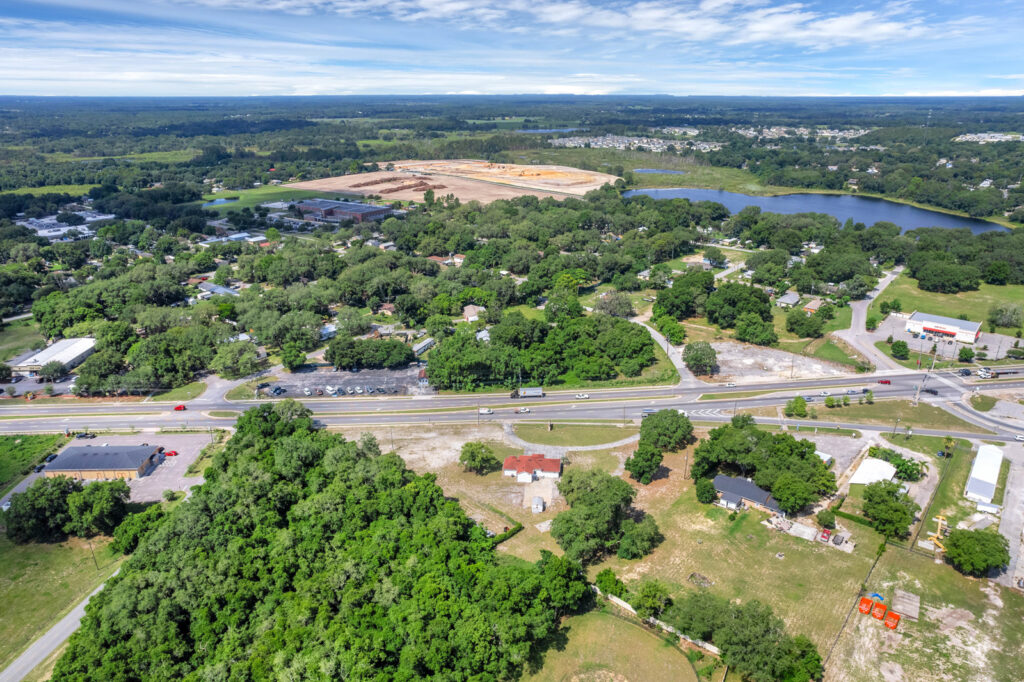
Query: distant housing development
(651, 144)
(959, 330)
(68, 352)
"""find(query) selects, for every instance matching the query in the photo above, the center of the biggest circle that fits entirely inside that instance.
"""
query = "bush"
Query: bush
(827, 518)
(706, 492)
(966, 354)
(608, 583)
(900, 350)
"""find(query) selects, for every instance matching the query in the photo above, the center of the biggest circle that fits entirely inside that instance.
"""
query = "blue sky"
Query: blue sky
(681, 47)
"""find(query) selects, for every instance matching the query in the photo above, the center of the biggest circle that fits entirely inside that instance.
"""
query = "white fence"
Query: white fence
(654, 621)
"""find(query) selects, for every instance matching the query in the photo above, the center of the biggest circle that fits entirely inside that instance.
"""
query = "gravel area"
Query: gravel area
(747, 364)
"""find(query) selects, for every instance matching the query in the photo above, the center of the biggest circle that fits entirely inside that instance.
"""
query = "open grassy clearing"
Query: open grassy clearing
(973, 305)
(886, 412)
(186, 392)
(197, 467)
(969, 630)
(983, 403)
(251, 198)
(590, 296)
(73, 190)
(174, 156)
(948, 498)
(738, 555)
(603, 646)
(18, 453)
(39, 583)
(247, 391)
(917, 360)
(528, 311)
(1004, 473)
(18, 337)
(573, 434)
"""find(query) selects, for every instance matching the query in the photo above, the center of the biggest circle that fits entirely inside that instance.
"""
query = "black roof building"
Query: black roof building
(103, 458)
(738, 489)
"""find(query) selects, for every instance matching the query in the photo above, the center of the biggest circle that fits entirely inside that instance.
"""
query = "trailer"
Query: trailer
(533, 392)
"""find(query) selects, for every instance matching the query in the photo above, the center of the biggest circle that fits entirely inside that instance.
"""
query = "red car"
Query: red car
(884, 381)
(180, 408)
(825, 534)
(171, 453)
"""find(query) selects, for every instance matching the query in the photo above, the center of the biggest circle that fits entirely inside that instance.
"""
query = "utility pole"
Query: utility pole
(895, 425)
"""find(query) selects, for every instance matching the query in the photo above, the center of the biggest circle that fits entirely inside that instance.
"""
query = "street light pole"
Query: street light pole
(895, 425)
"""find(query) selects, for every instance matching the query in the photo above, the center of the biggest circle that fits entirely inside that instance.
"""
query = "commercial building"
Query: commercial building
(959, 330)
(68, 352)
(872, 470)
(981, 486)
(104, 462)
(734, 493)
(331, 211)
(527, 468)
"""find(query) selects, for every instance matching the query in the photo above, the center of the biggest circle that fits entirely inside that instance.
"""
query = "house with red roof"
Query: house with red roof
(528, 468)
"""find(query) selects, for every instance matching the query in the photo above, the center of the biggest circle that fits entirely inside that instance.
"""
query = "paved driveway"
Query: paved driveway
(169, 473)
(1011, 519)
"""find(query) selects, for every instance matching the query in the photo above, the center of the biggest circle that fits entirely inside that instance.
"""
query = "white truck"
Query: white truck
(485, 410)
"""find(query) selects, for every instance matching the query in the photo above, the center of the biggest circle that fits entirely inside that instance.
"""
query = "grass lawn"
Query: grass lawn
(252, 198)
(948, 498)
(969, 630)
(39, 583)
(74, 190)
(224, 414)
(1004, 473)
(739, 556)
(911, 362)
(591, 295)
(603, 646)
(174, 156)
(529, 312)
(18, 337)
(733, 396)
(973, 305)
(17, 453)
(835, 351)
(573, 434)
(886, 412)
(186, 392)
(983, 403)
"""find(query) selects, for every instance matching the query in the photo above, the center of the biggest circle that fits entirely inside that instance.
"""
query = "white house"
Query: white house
(528, 468)
(981, 486)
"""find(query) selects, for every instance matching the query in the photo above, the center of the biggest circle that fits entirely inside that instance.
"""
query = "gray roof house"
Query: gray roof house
(733, 491)
(788, 300)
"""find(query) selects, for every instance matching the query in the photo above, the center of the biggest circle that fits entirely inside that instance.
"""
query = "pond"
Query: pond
(218, 202)
(660, 171)
(867, 210)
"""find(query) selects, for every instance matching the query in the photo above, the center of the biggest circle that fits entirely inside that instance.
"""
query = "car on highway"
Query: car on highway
(1019, 437)
(171, 453)
(485, 410)
(884, 381)
(523, 410)
(306, 391)
(825, 534)
(851, 391)
(582, 396)
(180, 408)
(730, 385)
(647, 411)
(824, 394)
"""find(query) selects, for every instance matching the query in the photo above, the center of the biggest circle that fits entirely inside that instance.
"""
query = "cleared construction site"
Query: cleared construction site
(468, 180)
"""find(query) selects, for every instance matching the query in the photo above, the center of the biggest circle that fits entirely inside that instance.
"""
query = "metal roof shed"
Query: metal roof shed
(981, 486)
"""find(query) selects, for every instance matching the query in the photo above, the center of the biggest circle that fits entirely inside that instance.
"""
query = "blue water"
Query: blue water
(547, 130)
(218, 202)
(661, 171)
(867, 210)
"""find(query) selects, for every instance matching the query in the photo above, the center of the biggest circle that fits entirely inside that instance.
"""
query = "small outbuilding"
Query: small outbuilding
(872, 470)
(984, 478)
(537, 505)
(103, 462)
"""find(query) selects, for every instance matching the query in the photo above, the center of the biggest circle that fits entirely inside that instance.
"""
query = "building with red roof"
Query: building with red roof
(527, 468)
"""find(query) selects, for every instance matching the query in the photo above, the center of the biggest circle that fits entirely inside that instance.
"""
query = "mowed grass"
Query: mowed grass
(251, 198)
(17, 453)
(886, 412)
(573, 434)
(74, 190)
(739, 556)
(186, 392)
(247, 391)
(948, 498)
(969, 630)
(602, 646)
(18, 337)
(174, 156)
(40, 583)
(733, 396)
(983, 403)
(973, 305)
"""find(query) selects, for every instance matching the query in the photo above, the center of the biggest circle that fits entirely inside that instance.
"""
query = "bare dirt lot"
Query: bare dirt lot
(746, 364)
(467, 179)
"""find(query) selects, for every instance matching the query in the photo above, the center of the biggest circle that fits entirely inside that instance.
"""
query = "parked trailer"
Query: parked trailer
(534, 392)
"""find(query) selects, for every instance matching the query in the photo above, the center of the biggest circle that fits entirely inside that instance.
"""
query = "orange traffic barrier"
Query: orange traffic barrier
(879, 611)
(866, 605)
(892, 620)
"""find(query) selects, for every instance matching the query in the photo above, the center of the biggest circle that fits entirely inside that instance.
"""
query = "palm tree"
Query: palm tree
(948, 444)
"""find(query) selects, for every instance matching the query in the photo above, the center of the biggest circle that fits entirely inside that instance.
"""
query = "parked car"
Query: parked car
(39, 468)
(171, 453)
(884, 381)
(359, 390)
(349, 390)
(85, 435)
(16, 378)
(306, 391)
(523, 410)
(319, 391)
(582, 396)
(263, 385)
(825, 534)
(837, 540)
(50, 458)
(180, 408)
(964, 372)
(824, 394)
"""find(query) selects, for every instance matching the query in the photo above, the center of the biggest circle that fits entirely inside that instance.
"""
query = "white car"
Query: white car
(523, 410)
(730, 385)
(330, 389)
(824, 394)
(1019, 437)
(306, 391)
(582, 396)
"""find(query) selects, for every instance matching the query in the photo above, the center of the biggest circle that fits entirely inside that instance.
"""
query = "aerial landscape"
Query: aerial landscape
(582, 341)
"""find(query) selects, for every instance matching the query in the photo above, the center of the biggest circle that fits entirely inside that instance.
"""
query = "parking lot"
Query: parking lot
(319, 380)
(945, 348)
(26, 384)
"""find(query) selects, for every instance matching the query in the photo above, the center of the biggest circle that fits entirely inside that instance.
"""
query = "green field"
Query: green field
(39, 583)
(948, 498)
(886, 412)
(572, 434)
(251, 198)
(74, 190)
(186, 392)
(175, 156)
(18, 453)
(19, 336)
(1004, 473)
(603, 646)
(973, 305)
(983, 403)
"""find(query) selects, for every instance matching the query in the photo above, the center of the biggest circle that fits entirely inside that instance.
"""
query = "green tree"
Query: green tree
(871, 323)
(135, 527)
(667, 430)
(273, 234)
(562, 305)
(830, 402)
(966, 354)
(715, 257)
(900, 350)
(649, 599)
(479, 458)
(976, 552)
(705, 490)
(700, 358)
(797, 407)
(564, 582)
(608, 583)
(292, 356)
(237, 359)
(52, 370)
(827, 518)
(10, 391)
(752, 329)
(643, 464)
(638, 538)
(592, 525)
(40, 513)
(869, 397)
(97, 509)
(616, 304)
(5, 373)
(439, 326)
(891, 512)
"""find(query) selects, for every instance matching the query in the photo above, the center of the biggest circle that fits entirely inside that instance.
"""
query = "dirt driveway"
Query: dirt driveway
(742, 363)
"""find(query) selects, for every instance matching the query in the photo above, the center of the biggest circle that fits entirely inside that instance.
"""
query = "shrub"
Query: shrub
(827, 518)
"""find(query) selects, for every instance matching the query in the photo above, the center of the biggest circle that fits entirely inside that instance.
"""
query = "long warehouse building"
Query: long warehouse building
(68, 352)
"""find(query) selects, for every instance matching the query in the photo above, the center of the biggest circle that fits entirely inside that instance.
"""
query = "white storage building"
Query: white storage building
(872, 470)
(68, 352)
(981, 486)
(963, 331)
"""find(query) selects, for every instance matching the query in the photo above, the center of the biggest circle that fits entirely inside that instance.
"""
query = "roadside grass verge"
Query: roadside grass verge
(181, 393)
(18, 337)
(734, 396)
(224, 414)
(247, 391)
(983, 403)
(41, 582)
(886, 412)
(1004, 473)
(19, 453)
(569, 435)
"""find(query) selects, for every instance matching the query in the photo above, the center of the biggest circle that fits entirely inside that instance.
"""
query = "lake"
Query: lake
(867, 210)
(218, 202)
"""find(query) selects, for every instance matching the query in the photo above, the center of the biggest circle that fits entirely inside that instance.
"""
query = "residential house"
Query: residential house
(813, 306)
(788, 300)
(528, 468)
(735, 493)
(471, 313)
